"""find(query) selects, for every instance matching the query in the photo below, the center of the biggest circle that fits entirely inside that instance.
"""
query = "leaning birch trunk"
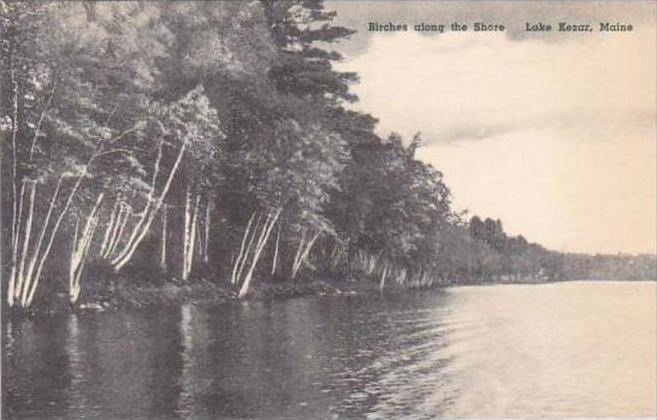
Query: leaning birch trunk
(199, 238)
(336, 255)
(124, 215)
(373, 261)
(163, 253)
(44, 227)
(305, 254)
(149, 202)
(233, 277)
(249, 249)
(206, 238)
(53, 233)
(383, 278)
(22, 281)
(83, 258)
(274, 261)
(251, 246)
(188, 206)
(15, 247)
(31, 283)
(266, 230)
(191, 215)
(129, 250)
(14, 175)
(192, 236)
(80, 250)
(23, 278)
(111, 232)
(297, 255)
(74, 247)
(110, 227)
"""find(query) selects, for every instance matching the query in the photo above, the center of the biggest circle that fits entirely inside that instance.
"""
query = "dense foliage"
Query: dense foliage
(214, 139)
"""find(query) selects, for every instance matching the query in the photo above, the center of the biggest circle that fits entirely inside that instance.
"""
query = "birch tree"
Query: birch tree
(184, 126)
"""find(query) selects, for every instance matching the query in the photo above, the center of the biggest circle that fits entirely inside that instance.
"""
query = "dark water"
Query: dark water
(558, 349)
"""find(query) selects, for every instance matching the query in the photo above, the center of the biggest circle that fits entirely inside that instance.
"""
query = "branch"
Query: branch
(124, 133)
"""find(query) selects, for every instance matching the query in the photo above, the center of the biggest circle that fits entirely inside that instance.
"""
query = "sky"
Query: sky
(553, 133)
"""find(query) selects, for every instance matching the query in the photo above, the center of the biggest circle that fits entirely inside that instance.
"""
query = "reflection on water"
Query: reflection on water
(557, 349)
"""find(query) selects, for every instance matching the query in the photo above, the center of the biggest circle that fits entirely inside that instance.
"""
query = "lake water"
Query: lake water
(561, 349)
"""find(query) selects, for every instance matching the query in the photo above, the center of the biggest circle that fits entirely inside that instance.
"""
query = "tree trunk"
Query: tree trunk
(191, 216)
(44, 228)
(110, 227)
(14, 185)
(80, 250)
(234, 276)
(129, 250)
(275, 259)
(266, 230)
(383, 278)
(297, 255)
(136, 232)
(188, 217)
(53, 233)
(124, 216)
(206, 238)
(163, 254)
(23, 283)
(304, 255)
(74, 247)
(248, 250)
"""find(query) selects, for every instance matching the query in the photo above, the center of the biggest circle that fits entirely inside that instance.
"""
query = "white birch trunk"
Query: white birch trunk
(23, 279)
(163, 254)
(14, 185)
(53, 233)
(136, 232)
(81, 248)
(266, 230)
(74, 247)
(130, 249)
(83, 252)
(23, 283)
(248, 250)
(110, 227)
(305, 254)
(120, 228)
(274, 261)
(44, 229)
(13, 287)
(297, 255)
(206, 239)
(113, 229)
(383, 278)
(233, 278)
(37, 130)
(191, 216)
(188, 218)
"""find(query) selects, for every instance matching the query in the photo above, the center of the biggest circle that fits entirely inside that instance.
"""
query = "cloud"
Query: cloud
(468, 133)
(469, 84)
(564, 150)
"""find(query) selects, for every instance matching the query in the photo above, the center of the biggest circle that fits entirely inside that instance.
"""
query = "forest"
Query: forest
(216, 141)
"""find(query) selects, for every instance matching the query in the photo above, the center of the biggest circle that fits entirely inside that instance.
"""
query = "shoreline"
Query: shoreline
(126, 294)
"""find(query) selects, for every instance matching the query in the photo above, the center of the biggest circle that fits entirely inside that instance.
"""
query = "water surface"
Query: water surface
(561, 349)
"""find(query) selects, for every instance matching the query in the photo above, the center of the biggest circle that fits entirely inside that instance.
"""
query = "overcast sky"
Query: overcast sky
(554, 134)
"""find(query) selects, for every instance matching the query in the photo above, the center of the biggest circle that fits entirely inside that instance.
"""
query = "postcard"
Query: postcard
(328, 209)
